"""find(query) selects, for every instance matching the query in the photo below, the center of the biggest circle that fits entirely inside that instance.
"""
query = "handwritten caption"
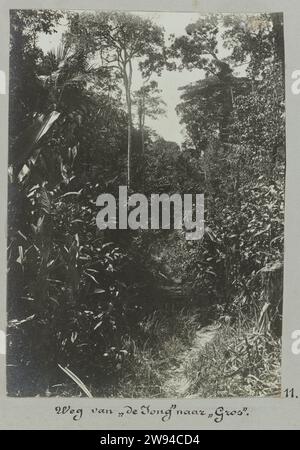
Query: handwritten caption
(216, 415)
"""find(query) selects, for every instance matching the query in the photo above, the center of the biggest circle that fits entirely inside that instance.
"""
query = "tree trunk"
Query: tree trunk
(143, 150)
(141, 117)
(143, 143)
(129, 136)
(127, 82)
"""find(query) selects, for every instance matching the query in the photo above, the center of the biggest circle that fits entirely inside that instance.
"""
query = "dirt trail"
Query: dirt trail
(177, 384)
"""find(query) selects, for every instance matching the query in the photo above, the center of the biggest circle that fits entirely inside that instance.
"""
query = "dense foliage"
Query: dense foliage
(77, 296)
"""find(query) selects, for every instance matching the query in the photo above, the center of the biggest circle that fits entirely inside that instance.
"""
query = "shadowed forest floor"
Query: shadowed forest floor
(178, 384)
(218, 360)
(190, 354)
(185, 351)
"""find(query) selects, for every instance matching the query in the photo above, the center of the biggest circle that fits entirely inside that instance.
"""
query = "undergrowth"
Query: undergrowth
(242, 360)
(147, 367)
(239, 362)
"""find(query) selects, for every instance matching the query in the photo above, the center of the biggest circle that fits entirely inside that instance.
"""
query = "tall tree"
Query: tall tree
(253, 39)
(249, 40)
(118, 40)
(148, 104)
(198, 49)
(244, 180)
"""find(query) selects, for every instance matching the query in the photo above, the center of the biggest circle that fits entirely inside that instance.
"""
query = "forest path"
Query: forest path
(177, 383)
(169, 254)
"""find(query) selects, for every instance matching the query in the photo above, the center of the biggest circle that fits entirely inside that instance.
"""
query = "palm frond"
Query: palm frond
(76, 380)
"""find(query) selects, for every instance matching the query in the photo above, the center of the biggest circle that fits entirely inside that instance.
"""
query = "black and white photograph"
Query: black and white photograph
(146, 187)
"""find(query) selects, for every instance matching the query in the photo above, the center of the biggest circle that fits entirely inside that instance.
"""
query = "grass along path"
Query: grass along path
(180, 356)
(177, 384)
(208, 362)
